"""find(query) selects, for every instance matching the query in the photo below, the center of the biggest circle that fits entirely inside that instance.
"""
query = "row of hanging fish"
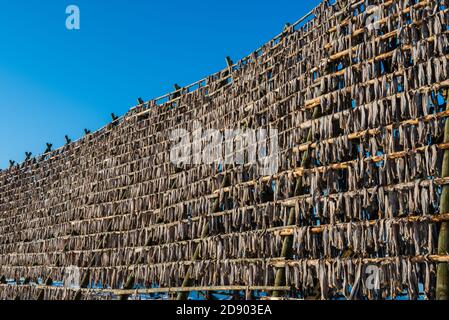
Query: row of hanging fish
(31, 292)
(354, 280)
(383, 238)
(387, 237)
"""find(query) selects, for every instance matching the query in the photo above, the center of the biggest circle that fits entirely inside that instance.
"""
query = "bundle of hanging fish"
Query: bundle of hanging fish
(12, 292)
(379, 238)
(355, 279)
(208, 273)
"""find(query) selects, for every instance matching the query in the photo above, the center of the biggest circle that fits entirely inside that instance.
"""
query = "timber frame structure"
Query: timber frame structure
(359, 208)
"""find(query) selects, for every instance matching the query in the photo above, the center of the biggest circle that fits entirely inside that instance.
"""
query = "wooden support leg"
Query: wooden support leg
(85, 280)
(132, 278)
(288, 240)
(196, 255)
(40, 295)
(442, 268)
(286, 253)
(128, 285)
(443, 239)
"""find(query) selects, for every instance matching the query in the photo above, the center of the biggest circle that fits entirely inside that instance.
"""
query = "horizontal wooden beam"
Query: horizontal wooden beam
(120, 292)
(289, 231)
(415, 259)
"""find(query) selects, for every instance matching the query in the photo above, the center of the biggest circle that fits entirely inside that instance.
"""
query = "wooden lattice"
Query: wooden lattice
(357, 93)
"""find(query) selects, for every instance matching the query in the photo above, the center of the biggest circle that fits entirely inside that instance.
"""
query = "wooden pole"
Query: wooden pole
(442, 290)
(288, 240)
(128, 285)
(187, 280)
(48, 282)
(286, 253)
(85, 279)
(132, 277)
(196, 255)
(184, 295)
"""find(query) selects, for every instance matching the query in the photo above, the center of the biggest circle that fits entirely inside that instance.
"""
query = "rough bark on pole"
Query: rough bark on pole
(288, 240)
(132, 277)
(85, 280)
(286, 253)
(41, 293)
(442, 289)
(187, 279)
(128, 285)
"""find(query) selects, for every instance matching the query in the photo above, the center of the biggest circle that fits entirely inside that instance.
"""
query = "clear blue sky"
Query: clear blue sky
(55, 82)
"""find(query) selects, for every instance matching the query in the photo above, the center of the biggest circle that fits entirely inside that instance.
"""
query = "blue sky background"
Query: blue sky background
(55, 82)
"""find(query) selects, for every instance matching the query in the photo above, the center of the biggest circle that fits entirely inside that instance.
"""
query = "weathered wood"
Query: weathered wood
(128, 285)
(48, 282)
(172, 289)
(415, 259)
(442, 289)
(438, 218)
(85, 279)
(288, 240)
(125, 178)
(183, 295)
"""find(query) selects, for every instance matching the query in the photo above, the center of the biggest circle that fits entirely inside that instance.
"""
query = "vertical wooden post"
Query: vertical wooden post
(286, 253)
(132, 277)
(48, 282)
(187, 280)
(443, 239)
(288, 240)
(196, 255)
(128, 285)
(85, 279)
